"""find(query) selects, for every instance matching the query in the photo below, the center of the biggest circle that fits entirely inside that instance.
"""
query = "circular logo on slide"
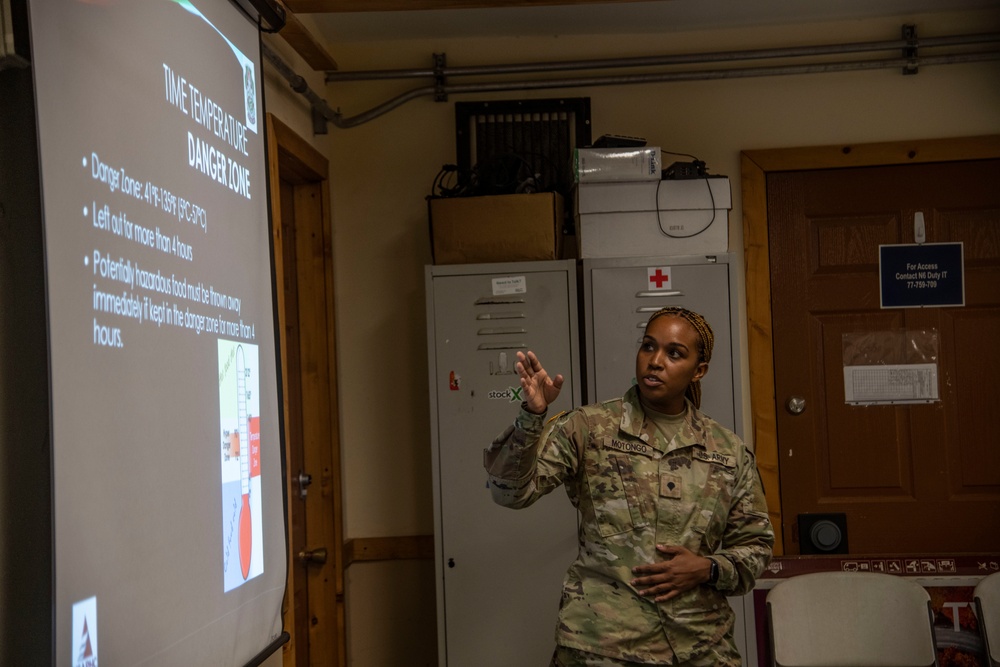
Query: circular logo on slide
(248, 90)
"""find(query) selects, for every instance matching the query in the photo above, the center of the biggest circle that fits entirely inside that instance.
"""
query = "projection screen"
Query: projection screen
(168, 521)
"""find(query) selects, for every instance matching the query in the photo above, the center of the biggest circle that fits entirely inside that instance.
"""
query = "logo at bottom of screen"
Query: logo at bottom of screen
(84, 648)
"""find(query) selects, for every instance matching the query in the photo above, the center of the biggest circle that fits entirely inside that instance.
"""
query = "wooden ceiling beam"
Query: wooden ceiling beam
(305, 44)
(341, 6)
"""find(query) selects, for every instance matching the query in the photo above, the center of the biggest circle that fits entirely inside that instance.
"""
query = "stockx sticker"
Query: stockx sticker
(511, 394)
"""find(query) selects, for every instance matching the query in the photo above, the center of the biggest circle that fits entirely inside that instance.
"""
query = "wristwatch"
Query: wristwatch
(713, 573)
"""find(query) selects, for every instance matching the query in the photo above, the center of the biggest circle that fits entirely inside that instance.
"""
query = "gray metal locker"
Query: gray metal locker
(500, 571)
(619, 296)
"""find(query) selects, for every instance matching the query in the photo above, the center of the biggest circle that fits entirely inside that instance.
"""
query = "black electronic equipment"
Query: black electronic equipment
(685, 170)
(823, 533)
(618, 141)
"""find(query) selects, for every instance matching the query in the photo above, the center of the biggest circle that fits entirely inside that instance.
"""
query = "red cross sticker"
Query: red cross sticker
(659, 277)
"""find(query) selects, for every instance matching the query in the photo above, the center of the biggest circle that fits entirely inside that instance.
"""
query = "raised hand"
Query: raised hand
(539, 389)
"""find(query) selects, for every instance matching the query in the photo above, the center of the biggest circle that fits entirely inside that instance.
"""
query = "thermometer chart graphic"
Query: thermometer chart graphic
(246, 529)
(239, 424)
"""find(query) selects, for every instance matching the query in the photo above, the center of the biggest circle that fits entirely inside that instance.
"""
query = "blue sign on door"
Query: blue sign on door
(921, 276)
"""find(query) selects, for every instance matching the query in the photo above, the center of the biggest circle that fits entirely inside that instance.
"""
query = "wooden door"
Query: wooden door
(314, 609)
(910, 478)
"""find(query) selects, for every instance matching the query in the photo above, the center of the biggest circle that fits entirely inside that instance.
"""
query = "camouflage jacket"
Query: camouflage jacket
(634, 490)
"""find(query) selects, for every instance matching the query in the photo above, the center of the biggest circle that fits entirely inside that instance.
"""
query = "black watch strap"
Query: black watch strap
(713, 573)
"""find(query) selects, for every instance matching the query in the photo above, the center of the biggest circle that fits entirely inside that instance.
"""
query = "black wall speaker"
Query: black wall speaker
(823, 533)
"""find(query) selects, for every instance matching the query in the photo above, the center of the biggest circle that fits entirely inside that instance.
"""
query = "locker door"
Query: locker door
(619, 306)
(502, 569)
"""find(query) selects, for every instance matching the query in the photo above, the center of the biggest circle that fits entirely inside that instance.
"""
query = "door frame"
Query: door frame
(292, 159)
(754, 168)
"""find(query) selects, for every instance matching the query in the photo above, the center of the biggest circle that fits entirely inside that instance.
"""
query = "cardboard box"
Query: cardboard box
(599, 165)
(497, 228)
(683, 217)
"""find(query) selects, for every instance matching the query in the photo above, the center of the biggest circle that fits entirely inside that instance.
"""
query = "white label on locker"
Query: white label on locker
(658, 277)
(509, 285)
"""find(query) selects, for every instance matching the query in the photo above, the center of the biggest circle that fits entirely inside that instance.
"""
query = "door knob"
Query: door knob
(796, 404)
(304, 481)
(316, 556)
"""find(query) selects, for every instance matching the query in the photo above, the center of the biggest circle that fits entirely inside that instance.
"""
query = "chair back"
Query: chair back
(850, 619)
(987, 599)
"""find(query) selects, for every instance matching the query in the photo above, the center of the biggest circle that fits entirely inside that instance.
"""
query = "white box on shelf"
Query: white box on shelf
(628, 219)
(681, 195)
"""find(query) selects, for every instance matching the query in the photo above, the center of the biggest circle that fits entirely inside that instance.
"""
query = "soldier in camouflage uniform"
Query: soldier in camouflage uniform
(673, 517)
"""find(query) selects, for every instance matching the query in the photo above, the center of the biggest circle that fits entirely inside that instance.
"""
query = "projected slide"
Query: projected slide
(169, 535)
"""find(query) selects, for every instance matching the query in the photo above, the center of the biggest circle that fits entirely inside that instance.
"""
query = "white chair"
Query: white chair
(850, 619)
(987, 599)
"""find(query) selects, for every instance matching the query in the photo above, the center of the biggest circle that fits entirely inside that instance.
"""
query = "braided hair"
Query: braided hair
(706, 339)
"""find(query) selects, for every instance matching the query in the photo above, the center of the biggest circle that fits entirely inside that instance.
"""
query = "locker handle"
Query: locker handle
(501, 330)
(648, 309)
(502, 346)
(646, 295)
(488, 300)
(500, 316)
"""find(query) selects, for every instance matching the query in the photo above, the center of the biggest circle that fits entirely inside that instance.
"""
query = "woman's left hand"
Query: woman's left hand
(681, 571)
